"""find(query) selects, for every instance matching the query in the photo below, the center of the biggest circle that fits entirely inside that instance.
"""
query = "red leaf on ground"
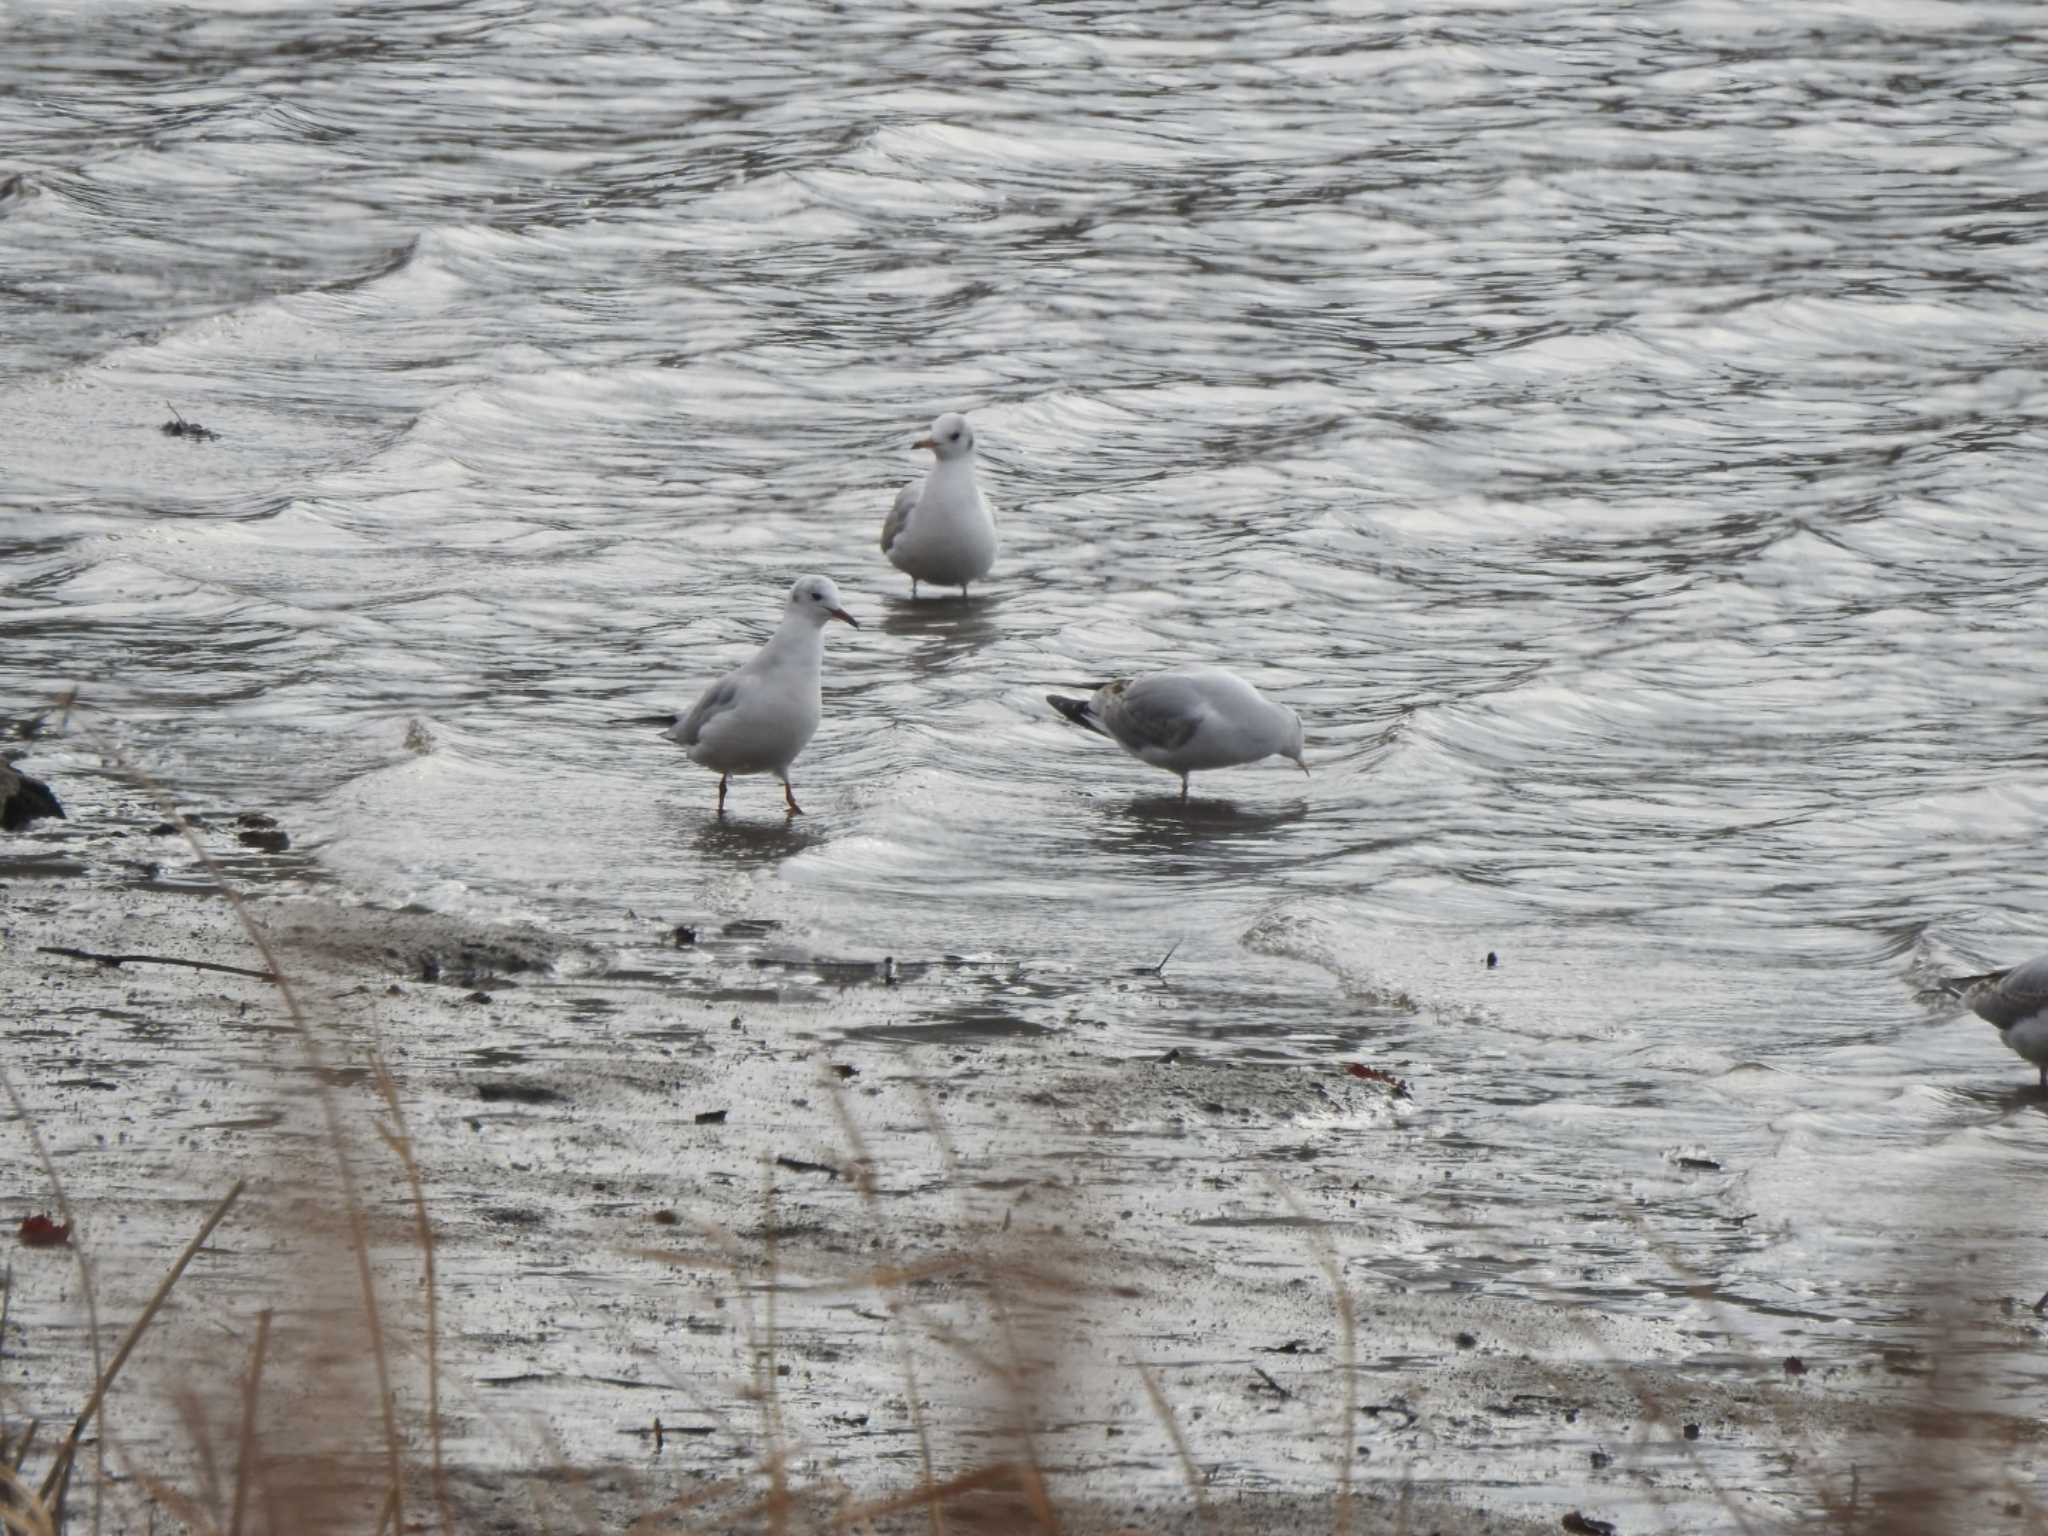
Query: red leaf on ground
(1378, 1075)
(41, 1232)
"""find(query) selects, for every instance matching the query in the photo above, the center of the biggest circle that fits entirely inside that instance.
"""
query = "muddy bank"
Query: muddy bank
(821, 1218)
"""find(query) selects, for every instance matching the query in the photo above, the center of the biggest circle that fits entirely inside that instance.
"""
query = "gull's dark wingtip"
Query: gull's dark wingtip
(1080, 711)
(1957, 986)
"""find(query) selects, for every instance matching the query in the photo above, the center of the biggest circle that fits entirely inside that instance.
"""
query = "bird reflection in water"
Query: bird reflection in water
(735, 839)
(1167, 824)
(943, 630)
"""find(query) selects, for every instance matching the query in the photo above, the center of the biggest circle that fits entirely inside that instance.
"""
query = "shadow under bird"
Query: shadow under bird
(23, 799)
(758, 717)
(940, 529)
(1188, 720)
(2015, 1000)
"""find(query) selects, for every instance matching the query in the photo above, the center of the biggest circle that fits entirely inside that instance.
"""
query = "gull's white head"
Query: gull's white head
(818, 600)
(950, 437)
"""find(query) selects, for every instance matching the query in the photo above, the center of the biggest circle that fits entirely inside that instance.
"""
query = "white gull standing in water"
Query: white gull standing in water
(2016, 1002)
(757, 718)
(1188, 719)
(940, 529)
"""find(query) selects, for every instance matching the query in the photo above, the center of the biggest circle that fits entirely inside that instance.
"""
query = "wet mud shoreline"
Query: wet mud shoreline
(762, 1217)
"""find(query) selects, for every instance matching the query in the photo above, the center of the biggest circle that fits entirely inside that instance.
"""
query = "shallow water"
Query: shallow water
(1619, 435)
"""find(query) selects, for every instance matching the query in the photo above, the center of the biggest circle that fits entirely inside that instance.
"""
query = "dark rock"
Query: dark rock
(517, 1093)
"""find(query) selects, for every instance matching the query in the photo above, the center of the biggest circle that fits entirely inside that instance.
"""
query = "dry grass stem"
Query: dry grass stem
(90, 1293)
(60, 1471)
(888, 1283)
(1347, 1333)
(309, 1043)
(399, 1139)
(245, 1458)
(1189, 1472)
(22, 1511)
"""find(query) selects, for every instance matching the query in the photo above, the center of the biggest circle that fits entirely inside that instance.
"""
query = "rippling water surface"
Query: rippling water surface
(1619, 432)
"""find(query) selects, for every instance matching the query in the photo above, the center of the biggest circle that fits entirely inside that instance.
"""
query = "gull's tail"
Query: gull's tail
(23, 799)
(1080, 711)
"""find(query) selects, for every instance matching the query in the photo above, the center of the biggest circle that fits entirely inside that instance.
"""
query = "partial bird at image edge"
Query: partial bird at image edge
(2014, 1001)
(23, 799)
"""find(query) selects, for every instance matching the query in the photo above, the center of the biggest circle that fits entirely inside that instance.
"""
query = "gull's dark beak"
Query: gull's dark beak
(844, 617)
(925, 442)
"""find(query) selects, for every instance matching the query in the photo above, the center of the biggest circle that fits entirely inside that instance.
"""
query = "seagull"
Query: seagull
(23, 799)
(2016, 1001)
(940, 529)
(1188, 718)
(757, 718)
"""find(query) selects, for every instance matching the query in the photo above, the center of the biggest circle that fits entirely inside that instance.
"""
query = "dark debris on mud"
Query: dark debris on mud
(178, 426)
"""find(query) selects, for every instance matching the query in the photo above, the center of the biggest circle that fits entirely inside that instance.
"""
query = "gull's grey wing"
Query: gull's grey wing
(2005, 997)
(717, 699)
(899, 514)
(1158, 713)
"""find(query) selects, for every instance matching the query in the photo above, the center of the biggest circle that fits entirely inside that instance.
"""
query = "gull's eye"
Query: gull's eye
(953, 436)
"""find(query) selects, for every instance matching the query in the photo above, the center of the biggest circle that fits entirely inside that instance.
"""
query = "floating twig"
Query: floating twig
(178, 426)
(1271, 1385)
(1160, 968)
(194, 965)
(798, 1165)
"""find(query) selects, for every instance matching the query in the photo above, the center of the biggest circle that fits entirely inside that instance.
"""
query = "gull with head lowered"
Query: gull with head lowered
(758, 717)
(1188, 719)
(2015, 1002)
(940, 529)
